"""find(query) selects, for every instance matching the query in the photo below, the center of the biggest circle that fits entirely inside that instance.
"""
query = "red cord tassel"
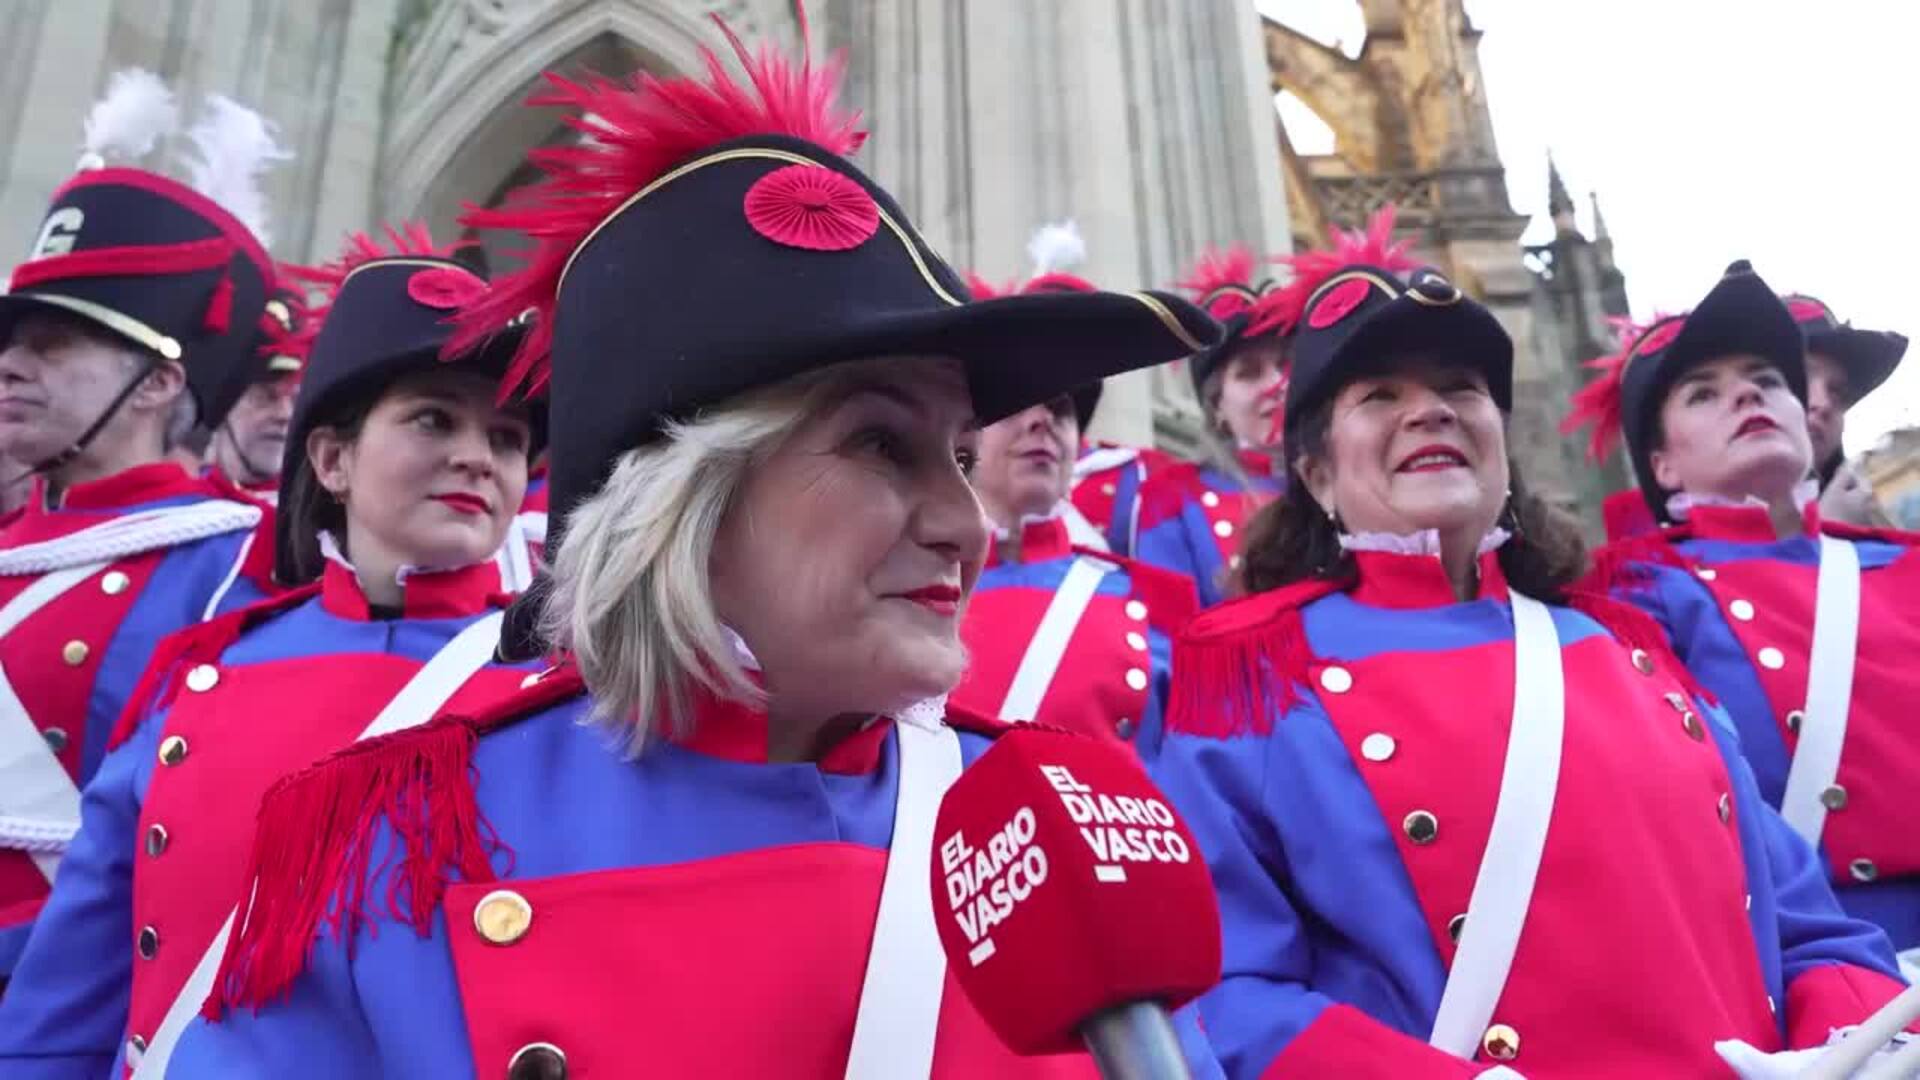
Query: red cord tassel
(220, 307)
(313, 860)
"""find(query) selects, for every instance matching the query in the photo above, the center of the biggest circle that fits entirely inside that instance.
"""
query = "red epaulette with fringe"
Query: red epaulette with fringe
(1170, 597)
(1636, 629)
(1237, 665)
(201, 643)
(311, 864)
(1848, 531)
(1622, 564)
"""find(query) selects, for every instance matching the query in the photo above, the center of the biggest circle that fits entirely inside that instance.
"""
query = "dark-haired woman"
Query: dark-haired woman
(401, 478)
(1805, 629)
(1189, 515)
(1460, 820)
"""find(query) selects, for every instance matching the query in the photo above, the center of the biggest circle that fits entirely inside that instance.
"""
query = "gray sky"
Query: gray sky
(1713, 130)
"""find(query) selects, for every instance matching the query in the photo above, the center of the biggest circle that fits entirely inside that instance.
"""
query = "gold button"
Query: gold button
(1421, 827)
(1642, 662)
(203, 678)
(537, 1061)
(503, 916)
(1136, 641)
(136, 1046)
(1863, 869)
(148, 943)
(1772, 659)
(1676, 700)
(1706, 573)
(1501, 1043)
(173, 750)
(74, 652)
(1209, 499)
(1725, 807)
(1106, 489)
(1834, 798)
(1378, 746)
(1223, 529)
(1136, 610)
(1742, 610)
(1794, 720)
(1124, 729)
(113, 583)
(56, 738)
(1454, 927)
(1691, 722)
(1233, 563)
(1136, 678)
(156, 839)
(1336, 680)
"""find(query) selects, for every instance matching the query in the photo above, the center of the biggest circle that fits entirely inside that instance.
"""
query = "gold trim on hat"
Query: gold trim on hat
(1169, 319)
(904, 234)
(436, 263)
(124, 325)
(282, 362)
(1344, 276)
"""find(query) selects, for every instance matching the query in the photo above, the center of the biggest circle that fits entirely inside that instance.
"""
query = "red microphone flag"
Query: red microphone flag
(1065, 885)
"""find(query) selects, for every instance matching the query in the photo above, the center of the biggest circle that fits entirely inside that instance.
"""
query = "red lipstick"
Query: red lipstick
(939, 599)
(462, 503)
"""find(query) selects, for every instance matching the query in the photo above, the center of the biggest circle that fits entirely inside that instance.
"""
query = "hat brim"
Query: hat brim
(1868, 356)
(17, 306)
(1463, 333)
(1085, 400)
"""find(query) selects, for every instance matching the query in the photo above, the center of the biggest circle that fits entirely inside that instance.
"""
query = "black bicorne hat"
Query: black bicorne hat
(158, 264)
(1086, 396)
(708, 237)
(1223, 284)
(1868, 356)
(1740, 315)
(387, 315)
(1365, 302)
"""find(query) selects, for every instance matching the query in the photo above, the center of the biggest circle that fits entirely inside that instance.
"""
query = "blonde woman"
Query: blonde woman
(671, 855)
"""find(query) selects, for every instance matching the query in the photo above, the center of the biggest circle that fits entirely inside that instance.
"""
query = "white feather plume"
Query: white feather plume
(233, 146)
(137, 111)
(1056, 248)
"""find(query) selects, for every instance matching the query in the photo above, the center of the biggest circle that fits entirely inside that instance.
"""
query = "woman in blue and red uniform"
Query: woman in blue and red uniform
(667, 855)
(1056, 631)
(401, 478)
(1754, 587)
(1390, 780)
(1189, 515)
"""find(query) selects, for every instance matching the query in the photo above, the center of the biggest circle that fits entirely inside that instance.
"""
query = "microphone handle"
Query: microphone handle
(1135, 1042)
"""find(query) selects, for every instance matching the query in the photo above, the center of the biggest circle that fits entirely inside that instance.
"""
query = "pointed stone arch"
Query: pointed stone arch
(459, 131)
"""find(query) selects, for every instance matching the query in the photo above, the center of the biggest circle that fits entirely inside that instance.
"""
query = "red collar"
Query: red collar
(440, 594)
(736, 732)
(1041, 539)
(1750, 524)
(128, 487)
(1255, 462)
(1391, 580)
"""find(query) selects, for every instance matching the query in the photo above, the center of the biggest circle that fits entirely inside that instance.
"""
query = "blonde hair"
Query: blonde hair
(632, 597)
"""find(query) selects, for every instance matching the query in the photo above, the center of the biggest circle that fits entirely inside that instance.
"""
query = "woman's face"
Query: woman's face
(1252, 384)
(1421, 447)
(434, 476)
(1731, 427)
(1026, 461)
(846, 557)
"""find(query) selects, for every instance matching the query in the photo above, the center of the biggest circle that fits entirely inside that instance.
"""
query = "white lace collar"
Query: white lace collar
(1682, 502)
(1424, 542)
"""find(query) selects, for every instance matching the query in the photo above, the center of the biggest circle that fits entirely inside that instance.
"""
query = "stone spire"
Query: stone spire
(1599, 221)
(1559, 203)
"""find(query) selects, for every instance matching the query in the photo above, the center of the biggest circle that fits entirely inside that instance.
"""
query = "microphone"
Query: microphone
(1073, 904)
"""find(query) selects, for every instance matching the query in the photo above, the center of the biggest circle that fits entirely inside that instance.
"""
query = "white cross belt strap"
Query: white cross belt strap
(894, 1031)
(131, 534)
(1049, 644)
(1823, 730)
(415, 704)
(39, 803)
(1503, 887)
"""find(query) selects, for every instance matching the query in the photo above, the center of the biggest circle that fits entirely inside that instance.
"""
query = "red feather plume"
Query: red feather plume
(1598, 404)
(408, 238)
(1372, 246)
(982, 289)
(634, 132)
(1220, 281)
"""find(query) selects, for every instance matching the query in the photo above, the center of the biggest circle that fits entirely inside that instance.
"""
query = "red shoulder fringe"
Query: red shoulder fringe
(312, 860)
(1239, 665)
(201, 643)
(1622, 566)
(1636, 630)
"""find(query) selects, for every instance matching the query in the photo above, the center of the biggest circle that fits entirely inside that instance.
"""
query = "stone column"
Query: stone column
(56, 53)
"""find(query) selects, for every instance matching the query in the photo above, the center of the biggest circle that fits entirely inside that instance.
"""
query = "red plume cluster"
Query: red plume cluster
(633, 132)
(1222, 283)
(1598, 404)
(408, 238)
(1373, 246)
